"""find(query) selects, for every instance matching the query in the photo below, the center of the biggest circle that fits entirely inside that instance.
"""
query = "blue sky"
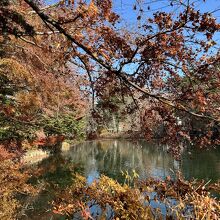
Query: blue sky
(129, 17)
(125, 7)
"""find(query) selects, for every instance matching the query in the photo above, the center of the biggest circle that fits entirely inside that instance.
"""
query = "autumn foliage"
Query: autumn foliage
(174, 72)
(63, 65)
(150, 199)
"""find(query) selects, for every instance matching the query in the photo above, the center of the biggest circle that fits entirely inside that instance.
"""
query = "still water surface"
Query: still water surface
(110, 157)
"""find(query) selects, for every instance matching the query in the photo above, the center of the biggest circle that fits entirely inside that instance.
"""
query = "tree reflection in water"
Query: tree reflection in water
(110, 157)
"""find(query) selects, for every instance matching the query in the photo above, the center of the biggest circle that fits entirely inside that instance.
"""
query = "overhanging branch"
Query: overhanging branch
(119, 72)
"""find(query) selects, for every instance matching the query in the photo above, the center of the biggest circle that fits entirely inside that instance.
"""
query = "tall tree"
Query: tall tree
(167, 50)
(38, 85)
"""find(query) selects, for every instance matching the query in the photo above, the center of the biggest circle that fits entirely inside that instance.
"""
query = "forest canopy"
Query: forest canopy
(77, 69)
(75, 58)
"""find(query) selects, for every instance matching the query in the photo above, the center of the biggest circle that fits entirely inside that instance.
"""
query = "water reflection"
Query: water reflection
(201, 164)
(110, 157)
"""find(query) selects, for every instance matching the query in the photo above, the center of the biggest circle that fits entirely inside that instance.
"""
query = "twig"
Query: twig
(119, 72)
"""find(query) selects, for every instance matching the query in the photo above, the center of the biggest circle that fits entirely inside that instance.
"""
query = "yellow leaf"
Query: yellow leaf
(92, 9)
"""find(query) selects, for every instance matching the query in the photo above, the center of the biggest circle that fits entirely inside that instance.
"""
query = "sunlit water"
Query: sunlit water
(111, 157)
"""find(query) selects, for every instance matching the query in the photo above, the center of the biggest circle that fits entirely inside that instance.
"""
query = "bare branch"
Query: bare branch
(91, 81)
(29, 42)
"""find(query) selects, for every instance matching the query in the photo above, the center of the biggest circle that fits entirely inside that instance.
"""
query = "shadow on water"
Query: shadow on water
(110, 157)
(201, 164)
(53, 172)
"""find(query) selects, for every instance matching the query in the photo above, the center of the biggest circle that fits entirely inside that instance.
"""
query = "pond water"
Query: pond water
(110, 157)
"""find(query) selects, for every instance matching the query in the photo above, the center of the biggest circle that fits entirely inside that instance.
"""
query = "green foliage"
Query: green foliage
(65, 125)
(11, 129)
